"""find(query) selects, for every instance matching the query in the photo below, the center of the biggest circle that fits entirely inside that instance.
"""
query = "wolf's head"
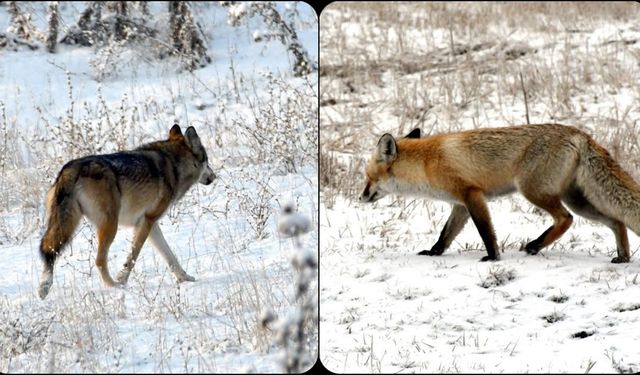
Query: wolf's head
(200, 163)
(378, 169)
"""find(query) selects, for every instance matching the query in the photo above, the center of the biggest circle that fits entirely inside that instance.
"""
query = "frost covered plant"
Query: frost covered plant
(296, 332)
(21, 24)
(293, 225)
(257, 207)
(187, 36)
(284, 127)
(52, 35)
(277, 28)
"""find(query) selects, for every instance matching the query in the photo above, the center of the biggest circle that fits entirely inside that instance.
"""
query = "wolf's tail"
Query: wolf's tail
(63, 215)
(606, 185)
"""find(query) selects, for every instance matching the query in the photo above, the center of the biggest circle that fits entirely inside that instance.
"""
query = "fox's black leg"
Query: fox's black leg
(458, 217)
(477, 207)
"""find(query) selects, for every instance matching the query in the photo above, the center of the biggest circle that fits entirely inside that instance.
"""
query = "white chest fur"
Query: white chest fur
(423, 190)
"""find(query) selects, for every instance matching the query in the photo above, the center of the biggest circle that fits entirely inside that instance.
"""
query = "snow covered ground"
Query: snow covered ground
(450, 66)
(259, 125)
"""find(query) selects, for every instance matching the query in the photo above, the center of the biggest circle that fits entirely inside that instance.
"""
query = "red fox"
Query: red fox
(549, 164)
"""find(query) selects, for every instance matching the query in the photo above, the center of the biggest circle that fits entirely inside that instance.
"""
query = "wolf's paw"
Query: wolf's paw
(620, 259)
(185, 277)
(489, 257)
(121, 278)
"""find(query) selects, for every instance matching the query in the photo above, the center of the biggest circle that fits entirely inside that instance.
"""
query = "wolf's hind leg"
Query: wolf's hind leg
(106, 234)
(160, 244)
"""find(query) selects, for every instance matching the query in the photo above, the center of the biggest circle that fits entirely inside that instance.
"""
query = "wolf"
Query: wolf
(130, 188)
(549, 164)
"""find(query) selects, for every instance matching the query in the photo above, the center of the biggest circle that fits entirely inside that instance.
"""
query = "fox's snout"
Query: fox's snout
(366, 198)
(370, 195)
(363, 198)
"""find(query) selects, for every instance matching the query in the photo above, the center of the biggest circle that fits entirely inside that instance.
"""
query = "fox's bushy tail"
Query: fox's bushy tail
(606, 185)
(63, 215)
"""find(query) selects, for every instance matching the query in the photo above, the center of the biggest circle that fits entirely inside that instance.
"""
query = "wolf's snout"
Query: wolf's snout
(207, 176)
(209, 179)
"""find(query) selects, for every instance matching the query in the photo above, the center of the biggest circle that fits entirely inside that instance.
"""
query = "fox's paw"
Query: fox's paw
(532, 249)
(435, 250)
(489, 257)
(430, 252)
(620, 259)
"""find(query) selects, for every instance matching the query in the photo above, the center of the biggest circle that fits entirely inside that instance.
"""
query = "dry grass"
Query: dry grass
(446, 66)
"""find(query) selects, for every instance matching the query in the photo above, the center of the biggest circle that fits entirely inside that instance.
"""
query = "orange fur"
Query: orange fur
(549, 164)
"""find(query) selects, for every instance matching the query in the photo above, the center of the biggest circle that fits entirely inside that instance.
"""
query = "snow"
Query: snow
(386, 309)
(154, 324)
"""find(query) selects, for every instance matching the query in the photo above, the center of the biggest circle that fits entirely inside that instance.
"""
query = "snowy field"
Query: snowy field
(445, 67)
(259, 125)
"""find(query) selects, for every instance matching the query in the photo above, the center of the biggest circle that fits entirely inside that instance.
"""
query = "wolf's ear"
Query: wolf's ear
(415, 133)
(387, 150)
(193, 141)
(175, 132)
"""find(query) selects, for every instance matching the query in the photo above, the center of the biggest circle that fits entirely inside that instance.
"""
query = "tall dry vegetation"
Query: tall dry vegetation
(447, 66)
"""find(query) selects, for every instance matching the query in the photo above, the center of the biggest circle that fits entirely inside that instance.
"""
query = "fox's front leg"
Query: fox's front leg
(477, 207)
(458, 217)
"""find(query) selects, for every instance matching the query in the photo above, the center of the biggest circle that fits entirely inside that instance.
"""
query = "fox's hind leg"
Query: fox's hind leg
(561, 217)
(458, 217)
(160, 244)
(622, 241)
(575, 199)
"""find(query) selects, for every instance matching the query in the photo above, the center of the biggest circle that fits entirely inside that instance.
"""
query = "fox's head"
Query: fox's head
(378, 169)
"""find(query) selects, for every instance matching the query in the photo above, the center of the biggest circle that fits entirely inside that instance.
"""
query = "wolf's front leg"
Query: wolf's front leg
(141, 234)
(160, 244)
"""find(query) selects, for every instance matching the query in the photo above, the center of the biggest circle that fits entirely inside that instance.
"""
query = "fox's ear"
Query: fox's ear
(175, 132)
(387, 150)
(415, 133)
(193, 141)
